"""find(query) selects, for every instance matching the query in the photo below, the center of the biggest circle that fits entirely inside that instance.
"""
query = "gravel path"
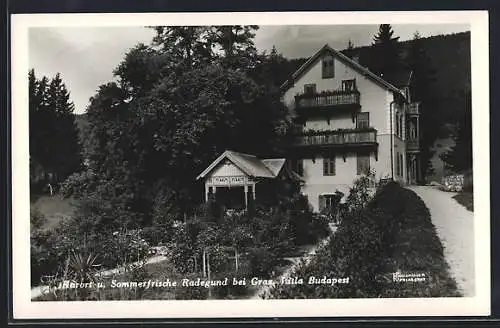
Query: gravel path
(306, 258)
(455, 227)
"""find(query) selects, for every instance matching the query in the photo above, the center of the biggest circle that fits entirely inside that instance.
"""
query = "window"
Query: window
(402, 165)
(363, 163)
(348, 85)
(329, 201)
(363, 120)
(413, 131)
(328, 67)
(329, 165)
(310, 89)
(401, 127)
(397, 164)
(397, 124)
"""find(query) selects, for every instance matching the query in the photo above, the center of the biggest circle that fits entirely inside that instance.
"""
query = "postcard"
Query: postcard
(233, 165)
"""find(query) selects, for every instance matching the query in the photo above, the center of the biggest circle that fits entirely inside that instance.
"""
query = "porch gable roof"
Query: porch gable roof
(249, 164)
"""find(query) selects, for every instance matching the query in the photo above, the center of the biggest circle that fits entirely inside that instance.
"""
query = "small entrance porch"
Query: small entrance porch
(232, 178)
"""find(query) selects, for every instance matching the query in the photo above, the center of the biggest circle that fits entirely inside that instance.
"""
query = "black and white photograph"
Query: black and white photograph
(332, 157)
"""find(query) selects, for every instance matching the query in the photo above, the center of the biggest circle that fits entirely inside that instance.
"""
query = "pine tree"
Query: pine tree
(386, 57)
(66, 152)
(54, 141)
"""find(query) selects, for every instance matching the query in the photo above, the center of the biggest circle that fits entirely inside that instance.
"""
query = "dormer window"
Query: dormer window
(328, 67)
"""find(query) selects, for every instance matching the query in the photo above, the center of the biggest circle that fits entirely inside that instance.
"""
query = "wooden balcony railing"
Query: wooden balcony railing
(412, 145)
(327, 99)
(337, 138)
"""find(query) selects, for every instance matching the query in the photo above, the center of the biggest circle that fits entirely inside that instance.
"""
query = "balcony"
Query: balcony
(326, 101)
(345, 138)
(412, 145)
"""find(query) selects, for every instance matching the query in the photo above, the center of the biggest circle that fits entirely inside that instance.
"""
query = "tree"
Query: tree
(66, 154)
(459, 158)
(236, 43)
(188, 45)
(55, 150)
(423, 75)
(141, 68)
(386, 57)
(172, 112)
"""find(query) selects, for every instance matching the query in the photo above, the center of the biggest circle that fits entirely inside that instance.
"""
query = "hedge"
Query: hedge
(392, 233)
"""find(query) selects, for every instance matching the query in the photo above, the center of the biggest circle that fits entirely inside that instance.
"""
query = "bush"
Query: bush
(50, 249)
(37, 219)
(393, 232)
(262, 262)
(153, 235)
(79, 183)
(360, 193)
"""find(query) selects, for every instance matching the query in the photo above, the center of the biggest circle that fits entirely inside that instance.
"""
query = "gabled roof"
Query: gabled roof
(346, 60)
(250, 164)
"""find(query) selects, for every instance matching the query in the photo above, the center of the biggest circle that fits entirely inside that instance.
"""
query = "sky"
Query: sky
(86, 56)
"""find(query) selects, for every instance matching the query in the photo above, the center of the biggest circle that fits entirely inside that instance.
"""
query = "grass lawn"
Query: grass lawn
(465, 199)
(55, 208)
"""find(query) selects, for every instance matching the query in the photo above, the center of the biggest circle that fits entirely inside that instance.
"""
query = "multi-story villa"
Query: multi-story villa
(350, 121)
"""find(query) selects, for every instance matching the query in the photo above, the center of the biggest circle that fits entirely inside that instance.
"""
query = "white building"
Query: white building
(349, 121)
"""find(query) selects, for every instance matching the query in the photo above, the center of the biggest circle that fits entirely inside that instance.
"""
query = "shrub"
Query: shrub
(37, 219)
(262, 262)
(51, 249)
(360, 193)
(79, 183)
(392, 232)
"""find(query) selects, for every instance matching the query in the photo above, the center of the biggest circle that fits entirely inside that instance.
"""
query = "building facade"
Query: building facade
(348, 122)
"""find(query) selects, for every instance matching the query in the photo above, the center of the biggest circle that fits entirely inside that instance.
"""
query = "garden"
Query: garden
(207, 245)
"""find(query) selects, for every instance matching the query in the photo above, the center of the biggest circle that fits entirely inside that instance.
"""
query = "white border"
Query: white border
(469, 306)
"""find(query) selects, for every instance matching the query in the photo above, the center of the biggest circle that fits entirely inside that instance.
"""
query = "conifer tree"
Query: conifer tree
(55, 150)
(386, 57)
